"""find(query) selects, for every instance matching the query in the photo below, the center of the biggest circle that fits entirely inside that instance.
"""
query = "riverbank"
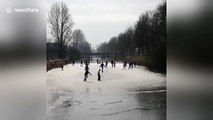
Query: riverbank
(145, 61)
(56, 63)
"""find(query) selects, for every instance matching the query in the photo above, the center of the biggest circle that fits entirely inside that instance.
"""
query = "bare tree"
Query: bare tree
(79, 41)
(61, 24)
(77, 38)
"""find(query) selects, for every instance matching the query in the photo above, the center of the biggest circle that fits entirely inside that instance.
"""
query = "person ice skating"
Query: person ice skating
(99, 75)
(124, 65)
(134, 64)
(98, 61)
(81, 63)
(62, 67)
(86, 62)
(112, 62)
(106, 63)
(86, 74)
(130, 65)
(86, 67)
(102, 66)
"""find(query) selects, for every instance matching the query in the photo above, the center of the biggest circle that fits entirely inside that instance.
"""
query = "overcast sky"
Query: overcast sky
(102, 19)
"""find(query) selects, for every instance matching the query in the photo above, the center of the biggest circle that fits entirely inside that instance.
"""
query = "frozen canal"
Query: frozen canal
(135, 94)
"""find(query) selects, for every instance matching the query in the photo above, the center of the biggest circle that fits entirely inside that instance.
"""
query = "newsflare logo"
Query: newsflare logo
(9, 10)
(22, 10)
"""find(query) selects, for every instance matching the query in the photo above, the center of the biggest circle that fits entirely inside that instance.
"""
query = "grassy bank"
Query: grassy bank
(56, 63)
(147, 62)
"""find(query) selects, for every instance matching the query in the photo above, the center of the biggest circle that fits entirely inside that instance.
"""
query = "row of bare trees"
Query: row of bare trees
(61, 25)
(147, 38)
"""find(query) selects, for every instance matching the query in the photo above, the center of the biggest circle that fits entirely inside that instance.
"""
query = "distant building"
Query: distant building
(52, 49)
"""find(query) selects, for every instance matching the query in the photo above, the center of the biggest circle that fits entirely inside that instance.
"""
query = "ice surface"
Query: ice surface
(130, 94)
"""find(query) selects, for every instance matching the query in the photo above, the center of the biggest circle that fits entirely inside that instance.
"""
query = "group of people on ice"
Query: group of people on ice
(131, 65)
(102, 65)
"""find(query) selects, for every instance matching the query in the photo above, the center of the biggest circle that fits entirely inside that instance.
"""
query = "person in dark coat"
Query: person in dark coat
(112, 62)
(99, 75)
(86, 67)
(124, 65)
(135, 64)
(81, 63)
(98, 61)
(102, 66)
(106, 63)
(62, 67)
(86, 74)
(130, 65)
